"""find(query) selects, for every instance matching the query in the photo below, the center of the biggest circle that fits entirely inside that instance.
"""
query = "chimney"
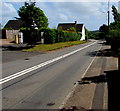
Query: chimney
(75, 22)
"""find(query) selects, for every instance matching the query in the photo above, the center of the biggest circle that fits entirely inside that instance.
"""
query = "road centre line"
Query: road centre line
(13, 76)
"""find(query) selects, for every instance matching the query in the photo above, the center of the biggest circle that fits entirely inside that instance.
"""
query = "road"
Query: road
(46, 86)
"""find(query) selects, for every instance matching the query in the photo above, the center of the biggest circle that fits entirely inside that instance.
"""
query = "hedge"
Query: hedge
(30, 36)
(50, 35)
(114, 39)
(54, 36)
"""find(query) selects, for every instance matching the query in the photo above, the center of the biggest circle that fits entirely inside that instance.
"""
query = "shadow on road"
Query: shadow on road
(104, 53)
(112, 78)
(15, 47)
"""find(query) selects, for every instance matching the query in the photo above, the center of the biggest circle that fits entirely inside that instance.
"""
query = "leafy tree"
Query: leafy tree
(116, 23)
(115, 14)
(103, 31)
(32, 16)
(89, 34)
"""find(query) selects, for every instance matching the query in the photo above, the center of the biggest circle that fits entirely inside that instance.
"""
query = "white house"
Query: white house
(83, 33)
(79, 28)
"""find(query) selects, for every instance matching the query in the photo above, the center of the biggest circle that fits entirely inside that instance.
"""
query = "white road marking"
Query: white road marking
(21, 73)
(73, 89)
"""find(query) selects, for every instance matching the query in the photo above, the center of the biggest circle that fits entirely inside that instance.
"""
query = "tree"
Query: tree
(32, 16)
(103, 31)
(116, 15)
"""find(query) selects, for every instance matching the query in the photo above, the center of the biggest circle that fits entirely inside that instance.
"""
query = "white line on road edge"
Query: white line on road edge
(13, 76)
(70, 93)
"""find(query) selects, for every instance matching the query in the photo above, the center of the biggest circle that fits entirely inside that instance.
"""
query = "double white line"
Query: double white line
(21, 73)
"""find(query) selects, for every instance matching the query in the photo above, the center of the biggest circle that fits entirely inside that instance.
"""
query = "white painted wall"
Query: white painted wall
(83, 33)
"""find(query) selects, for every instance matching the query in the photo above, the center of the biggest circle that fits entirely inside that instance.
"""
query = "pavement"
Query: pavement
(5, 42)
(92, 92)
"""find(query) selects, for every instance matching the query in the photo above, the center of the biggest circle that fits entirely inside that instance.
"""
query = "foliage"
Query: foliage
(32, 15)
(60, 28)
(72, 29)
(54, 36)
(112, 35)
(116, 23)
(114, 39)
(50, 35)
(103, 31)
(30, 37)
(89, 35)
(115, 14)
(115, 34)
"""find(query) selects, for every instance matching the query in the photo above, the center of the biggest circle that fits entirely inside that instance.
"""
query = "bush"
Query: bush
(26, 35)
(30, 37)
(114, 39)
(115, 34)
(54, 36)
(50, 35)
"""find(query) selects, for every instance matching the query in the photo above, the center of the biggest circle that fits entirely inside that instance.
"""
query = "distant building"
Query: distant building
(119, 6)
(12, 28)
(13, 25)
(79, 28)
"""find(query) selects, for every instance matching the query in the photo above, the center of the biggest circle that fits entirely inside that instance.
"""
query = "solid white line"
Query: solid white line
(90, 64)
(13, 76)
(73, 89)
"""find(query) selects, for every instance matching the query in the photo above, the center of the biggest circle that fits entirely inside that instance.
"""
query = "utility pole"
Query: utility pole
(108, 17)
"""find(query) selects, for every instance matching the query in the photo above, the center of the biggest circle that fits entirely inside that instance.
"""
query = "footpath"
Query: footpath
(5, 42)
(92, 91)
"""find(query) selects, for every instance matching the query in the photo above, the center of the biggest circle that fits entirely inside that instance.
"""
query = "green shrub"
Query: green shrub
(55, 36)
(50, 35)
(114, 39)
(115, 34)
(30, 36)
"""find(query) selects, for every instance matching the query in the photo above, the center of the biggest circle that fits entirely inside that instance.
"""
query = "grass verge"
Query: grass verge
(51, 47)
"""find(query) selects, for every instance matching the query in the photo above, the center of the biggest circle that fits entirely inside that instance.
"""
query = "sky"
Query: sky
(91, 13)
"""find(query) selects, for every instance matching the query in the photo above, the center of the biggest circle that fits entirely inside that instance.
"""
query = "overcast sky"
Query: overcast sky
(92, 13)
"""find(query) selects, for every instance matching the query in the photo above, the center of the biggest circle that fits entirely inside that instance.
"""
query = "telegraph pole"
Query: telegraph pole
(108, 17)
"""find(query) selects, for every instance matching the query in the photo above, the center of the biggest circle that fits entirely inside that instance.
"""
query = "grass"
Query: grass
(51, 47)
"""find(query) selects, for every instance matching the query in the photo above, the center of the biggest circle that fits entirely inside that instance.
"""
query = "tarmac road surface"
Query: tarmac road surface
(50, 77)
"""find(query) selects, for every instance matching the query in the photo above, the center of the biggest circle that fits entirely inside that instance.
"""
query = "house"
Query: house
(12, 28)
(79, 28)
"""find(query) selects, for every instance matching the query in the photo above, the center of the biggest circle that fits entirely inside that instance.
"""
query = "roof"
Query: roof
(14, 24)
(79, 27)
(66, 26)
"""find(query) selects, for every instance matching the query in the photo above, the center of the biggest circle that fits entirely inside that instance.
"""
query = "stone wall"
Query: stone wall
(10, 34)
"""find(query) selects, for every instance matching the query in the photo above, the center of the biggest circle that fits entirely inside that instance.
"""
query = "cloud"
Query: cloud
(80, 11)
(60, 0)
(92, 14)
(8, 12)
